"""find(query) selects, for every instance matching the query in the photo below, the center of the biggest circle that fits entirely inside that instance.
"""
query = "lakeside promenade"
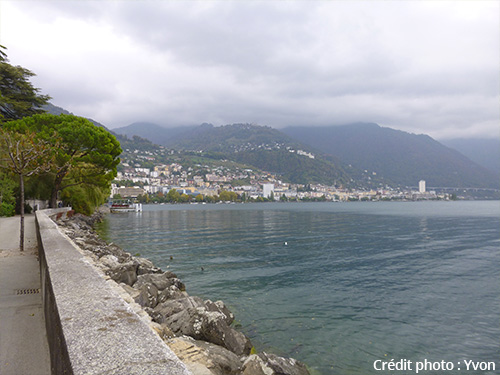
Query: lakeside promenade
(23, 339)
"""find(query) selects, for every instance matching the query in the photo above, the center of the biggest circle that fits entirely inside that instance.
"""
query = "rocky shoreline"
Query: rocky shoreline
(199, 332)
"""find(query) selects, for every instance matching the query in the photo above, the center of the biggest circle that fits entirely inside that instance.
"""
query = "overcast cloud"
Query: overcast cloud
(423, 67)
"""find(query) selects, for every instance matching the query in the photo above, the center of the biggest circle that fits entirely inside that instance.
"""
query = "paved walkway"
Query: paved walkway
(23, 339)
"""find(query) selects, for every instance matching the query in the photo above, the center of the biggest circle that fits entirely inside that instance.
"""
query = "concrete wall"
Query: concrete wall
(90, 328)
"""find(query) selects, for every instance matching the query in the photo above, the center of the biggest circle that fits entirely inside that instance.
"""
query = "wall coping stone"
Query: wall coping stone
(101, 334)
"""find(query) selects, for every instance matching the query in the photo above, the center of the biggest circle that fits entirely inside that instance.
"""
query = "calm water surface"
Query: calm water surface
(355, 282)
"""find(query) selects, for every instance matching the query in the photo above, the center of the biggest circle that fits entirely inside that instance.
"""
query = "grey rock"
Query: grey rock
(109, 261)
(214, 329)
(227, 363)
(203, 358)
(270, 364)
(160, 280)
(169, 308)
(189, 316)
(219, 306)
(179, 284)
(147, 296)
(123, 273)
(134, 293)
(119, 253)
(172, 292)
(145, 266)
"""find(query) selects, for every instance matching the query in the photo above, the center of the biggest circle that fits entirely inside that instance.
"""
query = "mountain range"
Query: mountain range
(359, 154)
(364, 152)
(485, 152)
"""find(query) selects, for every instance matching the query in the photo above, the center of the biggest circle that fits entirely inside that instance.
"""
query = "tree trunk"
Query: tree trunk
(21, 187)
(53, 198)
(56, 188)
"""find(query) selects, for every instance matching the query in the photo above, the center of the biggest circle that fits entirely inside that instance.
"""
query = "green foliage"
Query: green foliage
(18, 97)
(7, 197)
(7, 209)
(210, 199)
(142, 198)
(397, 157)
(135, 143)
(292, 167)
(84, 198)
(24, 154)
(245, 181)
(228, 138)
(173, 196)
(184, 198)
(39, 186)
(87, 154)
(228, 196)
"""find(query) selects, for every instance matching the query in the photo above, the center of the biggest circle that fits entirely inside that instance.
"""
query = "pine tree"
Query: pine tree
(18, 97)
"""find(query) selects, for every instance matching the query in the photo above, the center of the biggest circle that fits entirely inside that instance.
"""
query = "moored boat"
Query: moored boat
(124, 205)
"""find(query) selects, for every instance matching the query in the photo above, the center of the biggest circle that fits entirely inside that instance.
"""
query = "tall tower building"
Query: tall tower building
(267, 189)
(421, 186)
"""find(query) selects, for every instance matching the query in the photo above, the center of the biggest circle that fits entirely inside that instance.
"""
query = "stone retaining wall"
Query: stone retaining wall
(90, 328)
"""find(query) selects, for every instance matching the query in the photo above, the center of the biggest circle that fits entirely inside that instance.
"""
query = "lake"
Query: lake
(338, 286)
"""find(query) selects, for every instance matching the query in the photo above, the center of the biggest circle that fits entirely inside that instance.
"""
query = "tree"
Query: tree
(24, 155)
(84, 198)
(184, 198)
(173, 196)
(7, 198)
(87, 154)
(228, 196)
(18, 97)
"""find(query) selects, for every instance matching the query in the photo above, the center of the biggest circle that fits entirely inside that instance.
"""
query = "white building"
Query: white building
(267, 189)
(421, 186)
(146, 171)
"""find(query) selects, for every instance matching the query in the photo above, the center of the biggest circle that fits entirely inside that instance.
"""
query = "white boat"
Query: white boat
(124, 205)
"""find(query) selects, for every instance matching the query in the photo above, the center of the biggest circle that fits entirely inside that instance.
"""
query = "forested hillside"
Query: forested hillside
(400, 157)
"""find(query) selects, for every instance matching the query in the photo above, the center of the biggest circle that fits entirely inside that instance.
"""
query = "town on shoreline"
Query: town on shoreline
(173, 183)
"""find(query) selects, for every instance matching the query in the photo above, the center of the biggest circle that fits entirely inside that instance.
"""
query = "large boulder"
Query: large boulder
(190, 316)
(214, 329)
(203, 358)
(145, 266)
(219, 306)
(167, 311)
(120, 272)
(172, 292)
(147, 296)
(270, 364)
(160, 280)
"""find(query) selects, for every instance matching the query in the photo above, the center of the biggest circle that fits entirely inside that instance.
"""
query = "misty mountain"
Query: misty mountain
(366, 152)
(263, 147)
(400, 157)
(130, 142)
(55, 110)
(485, 152)
(206, 137)
(154, 132)
(231, 138)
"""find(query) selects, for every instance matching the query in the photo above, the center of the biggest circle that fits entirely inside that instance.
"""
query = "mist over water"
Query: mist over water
(338, 286)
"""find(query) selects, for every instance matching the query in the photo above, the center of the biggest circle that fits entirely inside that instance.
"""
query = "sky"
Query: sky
(426, 67)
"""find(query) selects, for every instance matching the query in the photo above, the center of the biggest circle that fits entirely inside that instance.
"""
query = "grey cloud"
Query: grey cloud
(416, 66)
